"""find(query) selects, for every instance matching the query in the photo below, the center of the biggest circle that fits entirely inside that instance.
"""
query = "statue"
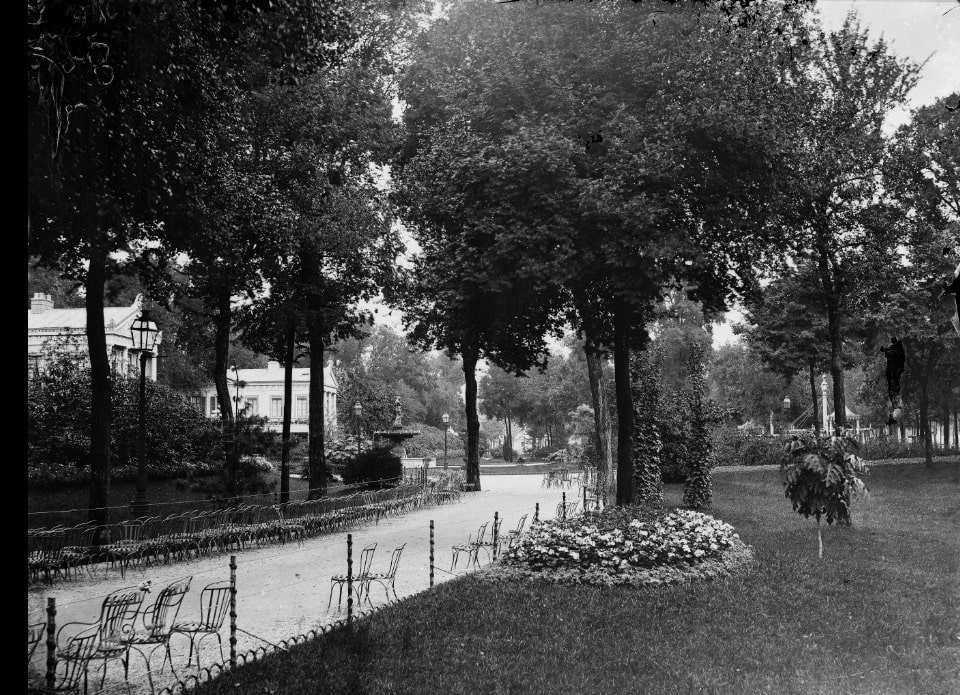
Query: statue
(397, 412)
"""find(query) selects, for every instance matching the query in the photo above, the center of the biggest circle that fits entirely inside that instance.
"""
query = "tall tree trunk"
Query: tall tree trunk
(622, 324)
(221, 354)
(830, 285)
(925, 422)
(100, 412)
(288, 340)
(315, 454)
(602, 430)
(945, 420)
(813, 399)
(470, 357)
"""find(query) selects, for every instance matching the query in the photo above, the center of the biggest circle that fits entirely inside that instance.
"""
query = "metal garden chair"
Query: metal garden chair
(35, 635)
(75, 659)
(358, 579)
(471, 547)
(214, 605)
(157, 624)
(385, 579)
(118, 613)
(514, 535)
(488, 546)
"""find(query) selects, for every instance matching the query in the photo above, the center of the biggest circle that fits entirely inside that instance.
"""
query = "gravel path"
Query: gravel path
(282, 590)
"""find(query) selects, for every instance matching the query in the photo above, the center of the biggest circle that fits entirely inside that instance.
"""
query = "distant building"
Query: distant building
(261, 392)
(51, 330)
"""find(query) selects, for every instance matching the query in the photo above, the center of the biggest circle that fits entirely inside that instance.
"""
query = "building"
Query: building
(51, 331)
(261, 392)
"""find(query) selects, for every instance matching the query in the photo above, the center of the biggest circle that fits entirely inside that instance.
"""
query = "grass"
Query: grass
(880, 614)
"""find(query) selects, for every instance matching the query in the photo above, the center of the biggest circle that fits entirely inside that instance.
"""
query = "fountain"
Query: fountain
(394, 438)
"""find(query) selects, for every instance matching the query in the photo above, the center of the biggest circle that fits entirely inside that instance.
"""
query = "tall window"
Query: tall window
(253, 406)
(213, 405)
(276, 407)
(301, 410)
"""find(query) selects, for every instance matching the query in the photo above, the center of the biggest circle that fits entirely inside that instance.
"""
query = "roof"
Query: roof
(76, 319)
(850, 413)
(273, 373)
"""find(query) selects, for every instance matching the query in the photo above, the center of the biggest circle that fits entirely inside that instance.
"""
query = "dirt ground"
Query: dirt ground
(282, 590)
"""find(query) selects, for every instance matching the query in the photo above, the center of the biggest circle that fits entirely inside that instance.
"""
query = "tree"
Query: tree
(649, 180)
(787, 328)
(107, 88)
(845, 88)
(501, 395)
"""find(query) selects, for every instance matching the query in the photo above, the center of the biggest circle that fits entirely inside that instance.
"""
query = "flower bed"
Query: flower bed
(626, 547)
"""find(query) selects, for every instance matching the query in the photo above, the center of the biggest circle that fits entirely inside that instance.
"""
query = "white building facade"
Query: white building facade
(64, 331)
(260, 391)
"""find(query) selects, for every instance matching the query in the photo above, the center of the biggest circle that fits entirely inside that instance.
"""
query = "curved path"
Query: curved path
(283, 590)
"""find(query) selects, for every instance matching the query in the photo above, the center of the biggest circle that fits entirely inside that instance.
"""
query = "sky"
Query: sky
(919, 30)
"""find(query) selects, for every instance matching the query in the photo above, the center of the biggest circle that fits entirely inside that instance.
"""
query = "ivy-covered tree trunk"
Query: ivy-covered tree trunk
(288, 339)
(647, 477)
(221, 353)
(315, 454)
(698, 488)
(100, 413)
(622, 320)
(470, 357)
(601, 420)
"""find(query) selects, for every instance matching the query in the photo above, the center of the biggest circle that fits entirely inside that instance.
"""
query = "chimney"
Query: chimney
(40, 303)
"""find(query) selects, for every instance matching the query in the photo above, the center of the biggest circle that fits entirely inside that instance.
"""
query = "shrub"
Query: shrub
(429, 444)
(617, 541)
(180, 440)
(544, 452)
(375, 468)
(821, 477)
(733, 447)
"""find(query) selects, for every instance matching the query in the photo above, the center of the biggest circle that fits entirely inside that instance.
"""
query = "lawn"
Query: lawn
(880, 614)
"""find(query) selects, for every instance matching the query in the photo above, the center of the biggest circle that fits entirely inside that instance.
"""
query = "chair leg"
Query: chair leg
(330, 600)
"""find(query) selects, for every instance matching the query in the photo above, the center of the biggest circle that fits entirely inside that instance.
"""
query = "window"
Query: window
(213, 405)
(302, 408)
(276, 407)
(253, 406)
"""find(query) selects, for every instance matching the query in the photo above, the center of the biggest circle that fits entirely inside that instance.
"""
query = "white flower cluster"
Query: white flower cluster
(681, 537)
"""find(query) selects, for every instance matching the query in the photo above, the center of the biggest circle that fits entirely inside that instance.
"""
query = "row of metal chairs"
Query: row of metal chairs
(125, 625)
(60, 552)
(492, 547)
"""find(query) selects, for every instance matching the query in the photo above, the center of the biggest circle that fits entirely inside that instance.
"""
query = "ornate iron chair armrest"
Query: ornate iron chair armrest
(87, 627)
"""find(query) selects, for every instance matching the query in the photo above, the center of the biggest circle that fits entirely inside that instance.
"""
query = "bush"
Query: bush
(544, 452)
(429, 444)
(374, 468)
(733, 447)
(180, 440)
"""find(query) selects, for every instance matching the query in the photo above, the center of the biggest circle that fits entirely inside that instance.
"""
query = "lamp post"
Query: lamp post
(143, 332)
(446, 426)
(358, 411)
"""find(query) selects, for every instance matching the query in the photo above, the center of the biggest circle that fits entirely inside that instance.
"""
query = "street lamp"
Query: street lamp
(786, 402)
(358, 411)
(446, 422)
(144, 333)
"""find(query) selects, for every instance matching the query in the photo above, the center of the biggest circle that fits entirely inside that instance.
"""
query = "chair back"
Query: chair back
(395, 561)
(130, 530)
(366, 559)
(35, 633)
(523, 520)
(117, 615)
(214, 605)
(81, 649)
(482, 532)
(167, 607)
